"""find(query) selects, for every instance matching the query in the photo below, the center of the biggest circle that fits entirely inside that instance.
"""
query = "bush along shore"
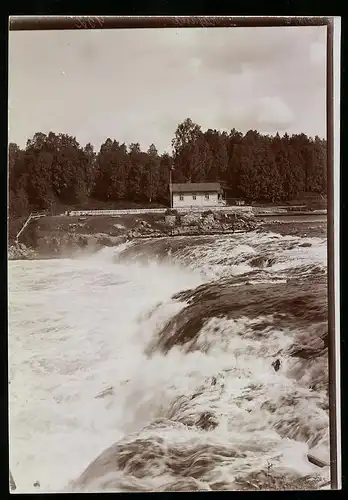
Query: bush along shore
(19, 251)
(59, 236)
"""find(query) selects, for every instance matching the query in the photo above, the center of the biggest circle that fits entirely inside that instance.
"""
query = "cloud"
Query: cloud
(318, 53)
(137, 85)
(273, 113)
(229, 49)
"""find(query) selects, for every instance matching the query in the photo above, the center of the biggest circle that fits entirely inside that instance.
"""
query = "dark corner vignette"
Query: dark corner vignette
(343, 249)
(4, 267)
(18, 23)
(331, 263)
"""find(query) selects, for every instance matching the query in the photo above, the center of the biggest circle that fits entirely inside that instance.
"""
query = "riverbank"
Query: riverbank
(57, 236)
(60, 236)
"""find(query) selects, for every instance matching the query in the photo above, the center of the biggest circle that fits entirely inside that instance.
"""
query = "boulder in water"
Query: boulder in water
(276, 365)
(12, 482)
(258, 261)
(207, 421)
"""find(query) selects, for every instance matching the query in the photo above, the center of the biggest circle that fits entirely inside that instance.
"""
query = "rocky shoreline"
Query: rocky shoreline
(20, 252)
(60, 236)
(195, 224)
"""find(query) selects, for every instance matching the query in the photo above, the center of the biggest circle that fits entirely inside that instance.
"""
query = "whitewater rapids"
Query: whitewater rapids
(156, 356)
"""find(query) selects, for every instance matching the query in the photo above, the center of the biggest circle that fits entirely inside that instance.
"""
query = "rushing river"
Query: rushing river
(163, 351)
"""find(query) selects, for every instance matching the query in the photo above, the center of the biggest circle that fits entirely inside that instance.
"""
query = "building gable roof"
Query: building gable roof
(196, 187)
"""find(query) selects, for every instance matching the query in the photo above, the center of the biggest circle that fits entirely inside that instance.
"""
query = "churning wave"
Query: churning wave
(186, 394)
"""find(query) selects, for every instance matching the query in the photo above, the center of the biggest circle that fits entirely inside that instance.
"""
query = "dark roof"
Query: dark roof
(192, 187)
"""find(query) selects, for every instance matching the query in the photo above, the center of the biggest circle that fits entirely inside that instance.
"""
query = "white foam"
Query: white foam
(80, 326)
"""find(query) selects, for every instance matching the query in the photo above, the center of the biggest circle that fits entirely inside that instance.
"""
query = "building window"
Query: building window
(181, 197)
(206, 196)
(194, 197)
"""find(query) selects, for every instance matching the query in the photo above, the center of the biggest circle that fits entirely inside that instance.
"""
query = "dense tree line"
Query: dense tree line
(55, 169)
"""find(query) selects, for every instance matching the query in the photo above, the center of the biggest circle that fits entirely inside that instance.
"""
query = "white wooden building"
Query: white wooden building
(201, 194)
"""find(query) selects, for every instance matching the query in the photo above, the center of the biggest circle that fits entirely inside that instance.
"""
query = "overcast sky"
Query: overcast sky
(137, 85)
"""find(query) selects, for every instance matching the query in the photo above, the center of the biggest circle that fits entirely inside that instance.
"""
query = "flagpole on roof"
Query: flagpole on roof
(170, 186)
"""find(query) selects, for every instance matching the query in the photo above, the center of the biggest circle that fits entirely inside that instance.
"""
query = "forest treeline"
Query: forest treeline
(55, 170)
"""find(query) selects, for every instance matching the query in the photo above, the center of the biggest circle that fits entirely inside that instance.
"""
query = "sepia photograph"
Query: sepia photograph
(172, 215)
